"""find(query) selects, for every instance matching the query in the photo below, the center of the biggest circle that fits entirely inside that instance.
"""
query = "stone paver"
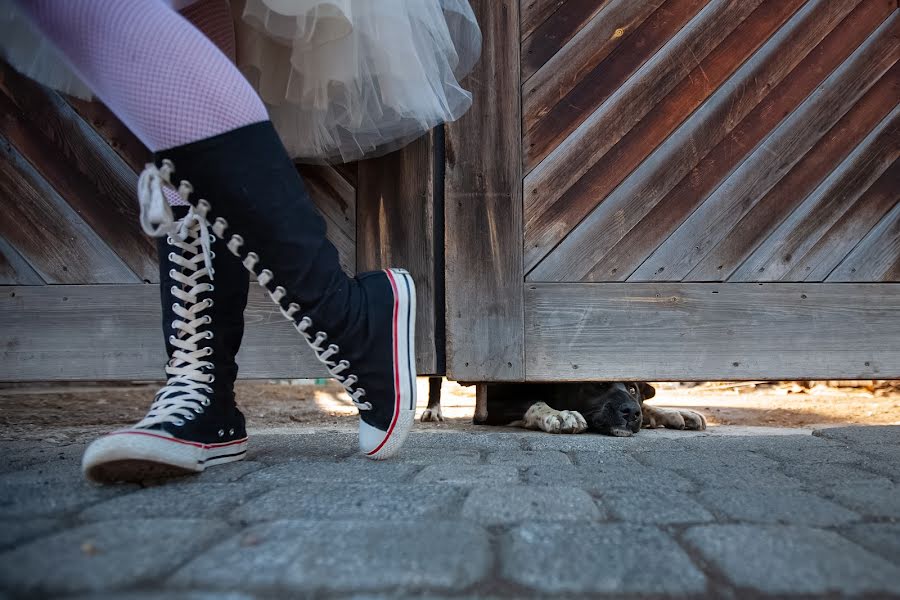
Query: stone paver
(309, 556)
(870, 499)
(528, 457)
(482, 513)
(662, 506)
(880, 538)
(520, 504)
(792, 507)
(797, 560)
(468, 474)
(106, 555)
(378, 502)
(201, 500)
(597, 558)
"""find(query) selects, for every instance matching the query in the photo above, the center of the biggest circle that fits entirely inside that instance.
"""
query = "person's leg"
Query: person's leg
(243, 184)
(158, 73)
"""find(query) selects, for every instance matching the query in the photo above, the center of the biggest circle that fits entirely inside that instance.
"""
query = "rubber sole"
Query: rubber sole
(137, 455)
(380, 445)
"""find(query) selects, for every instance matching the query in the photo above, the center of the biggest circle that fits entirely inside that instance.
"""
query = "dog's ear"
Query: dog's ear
(647, 390)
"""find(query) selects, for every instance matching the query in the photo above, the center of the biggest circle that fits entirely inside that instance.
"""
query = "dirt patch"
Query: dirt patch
(74, 412)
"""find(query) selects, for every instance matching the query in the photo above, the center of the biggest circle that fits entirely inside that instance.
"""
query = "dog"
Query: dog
(615, 408)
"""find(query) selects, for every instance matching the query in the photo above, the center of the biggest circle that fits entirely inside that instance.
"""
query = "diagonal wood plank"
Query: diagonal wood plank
(336, 200)
(850, 229)
(581, 55)
(546, 127)
(556, 32)
(739, 238)
(812, 107)
(535, 12)
(798, 233)
(546, 223)
(15, 270)
(47, 232)
(603, 227)
(79, 165)
(877, 257)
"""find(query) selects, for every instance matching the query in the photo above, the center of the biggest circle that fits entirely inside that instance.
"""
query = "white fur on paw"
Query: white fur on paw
(431, 415)
(551, 423)
(571, 422)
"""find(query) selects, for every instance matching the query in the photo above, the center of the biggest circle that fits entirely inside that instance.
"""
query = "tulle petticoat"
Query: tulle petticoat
(346, 79)
(342, 79)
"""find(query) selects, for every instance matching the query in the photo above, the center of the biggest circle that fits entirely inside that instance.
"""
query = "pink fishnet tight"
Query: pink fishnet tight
(158, 73)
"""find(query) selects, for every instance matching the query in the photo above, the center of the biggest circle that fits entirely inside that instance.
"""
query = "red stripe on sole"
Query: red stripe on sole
(176, 440)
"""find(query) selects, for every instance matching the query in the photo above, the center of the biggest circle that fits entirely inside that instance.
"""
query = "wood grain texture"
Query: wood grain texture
(543, 90)
(553, 126)
(785, 126)
(554, 33)
(535, 12)
(79, 165)
(836, 243)
(483, 273)
(112, 332)
(740, 238)
(45, 230)
(674, 331)
(547, 222)
(587, 244)
(396, 226)
(796, 236)
(15, 270)
(111, 129)
(336, 200)
(877, 256)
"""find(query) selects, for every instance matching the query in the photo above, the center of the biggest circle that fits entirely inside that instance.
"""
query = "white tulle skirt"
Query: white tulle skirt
(342, 79)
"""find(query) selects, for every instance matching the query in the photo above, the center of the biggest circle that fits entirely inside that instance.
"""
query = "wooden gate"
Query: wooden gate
(677, 189)
(75, 303)
(654, 189)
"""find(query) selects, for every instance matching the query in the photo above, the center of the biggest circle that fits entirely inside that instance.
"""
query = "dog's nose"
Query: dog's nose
(629, 412)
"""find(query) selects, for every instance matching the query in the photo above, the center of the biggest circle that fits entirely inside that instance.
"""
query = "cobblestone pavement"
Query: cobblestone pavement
(493, 513)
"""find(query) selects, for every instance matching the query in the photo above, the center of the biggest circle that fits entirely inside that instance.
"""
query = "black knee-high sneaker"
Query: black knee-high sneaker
(193, 422)
(362, 328)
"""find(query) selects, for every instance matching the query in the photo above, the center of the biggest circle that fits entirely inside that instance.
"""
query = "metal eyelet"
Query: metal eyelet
(171, 257)
(208, 319)
(189, 417)
(209, 335)
(209, 350)
(173, 289)
(221, 433)
(199, 410)
(206, 401)
(212, 378)
(209, 302)
(212, 288)
(231, 432)
(179, 423)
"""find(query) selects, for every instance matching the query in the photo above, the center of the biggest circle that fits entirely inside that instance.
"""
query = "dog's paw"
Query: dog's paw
(672, 418)
(431, 415)
(565, 421)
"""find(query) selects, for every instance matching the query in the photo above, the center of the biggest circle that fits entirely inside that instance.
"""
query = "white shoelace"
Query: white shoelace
(186, 392)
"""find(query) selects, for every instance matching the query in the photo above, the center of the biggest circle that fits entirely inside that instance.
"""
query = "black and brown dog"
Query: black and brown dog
(615, 408)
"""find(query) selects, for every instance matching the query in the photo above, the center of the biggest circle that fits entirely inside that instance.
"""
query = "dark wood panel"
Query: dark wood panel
(673, 331)
(396, 226)
(775, 257)
(112, 332)
(336, 200)
(483, 274)
(556, 32)
(113, 131)
(78, 164)
(535, 12)
(612, 219)
(791, 119)
(51, 236)
(545, 133)
(877, 257)
(741, 237)
(15, 270)
(546, 222)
